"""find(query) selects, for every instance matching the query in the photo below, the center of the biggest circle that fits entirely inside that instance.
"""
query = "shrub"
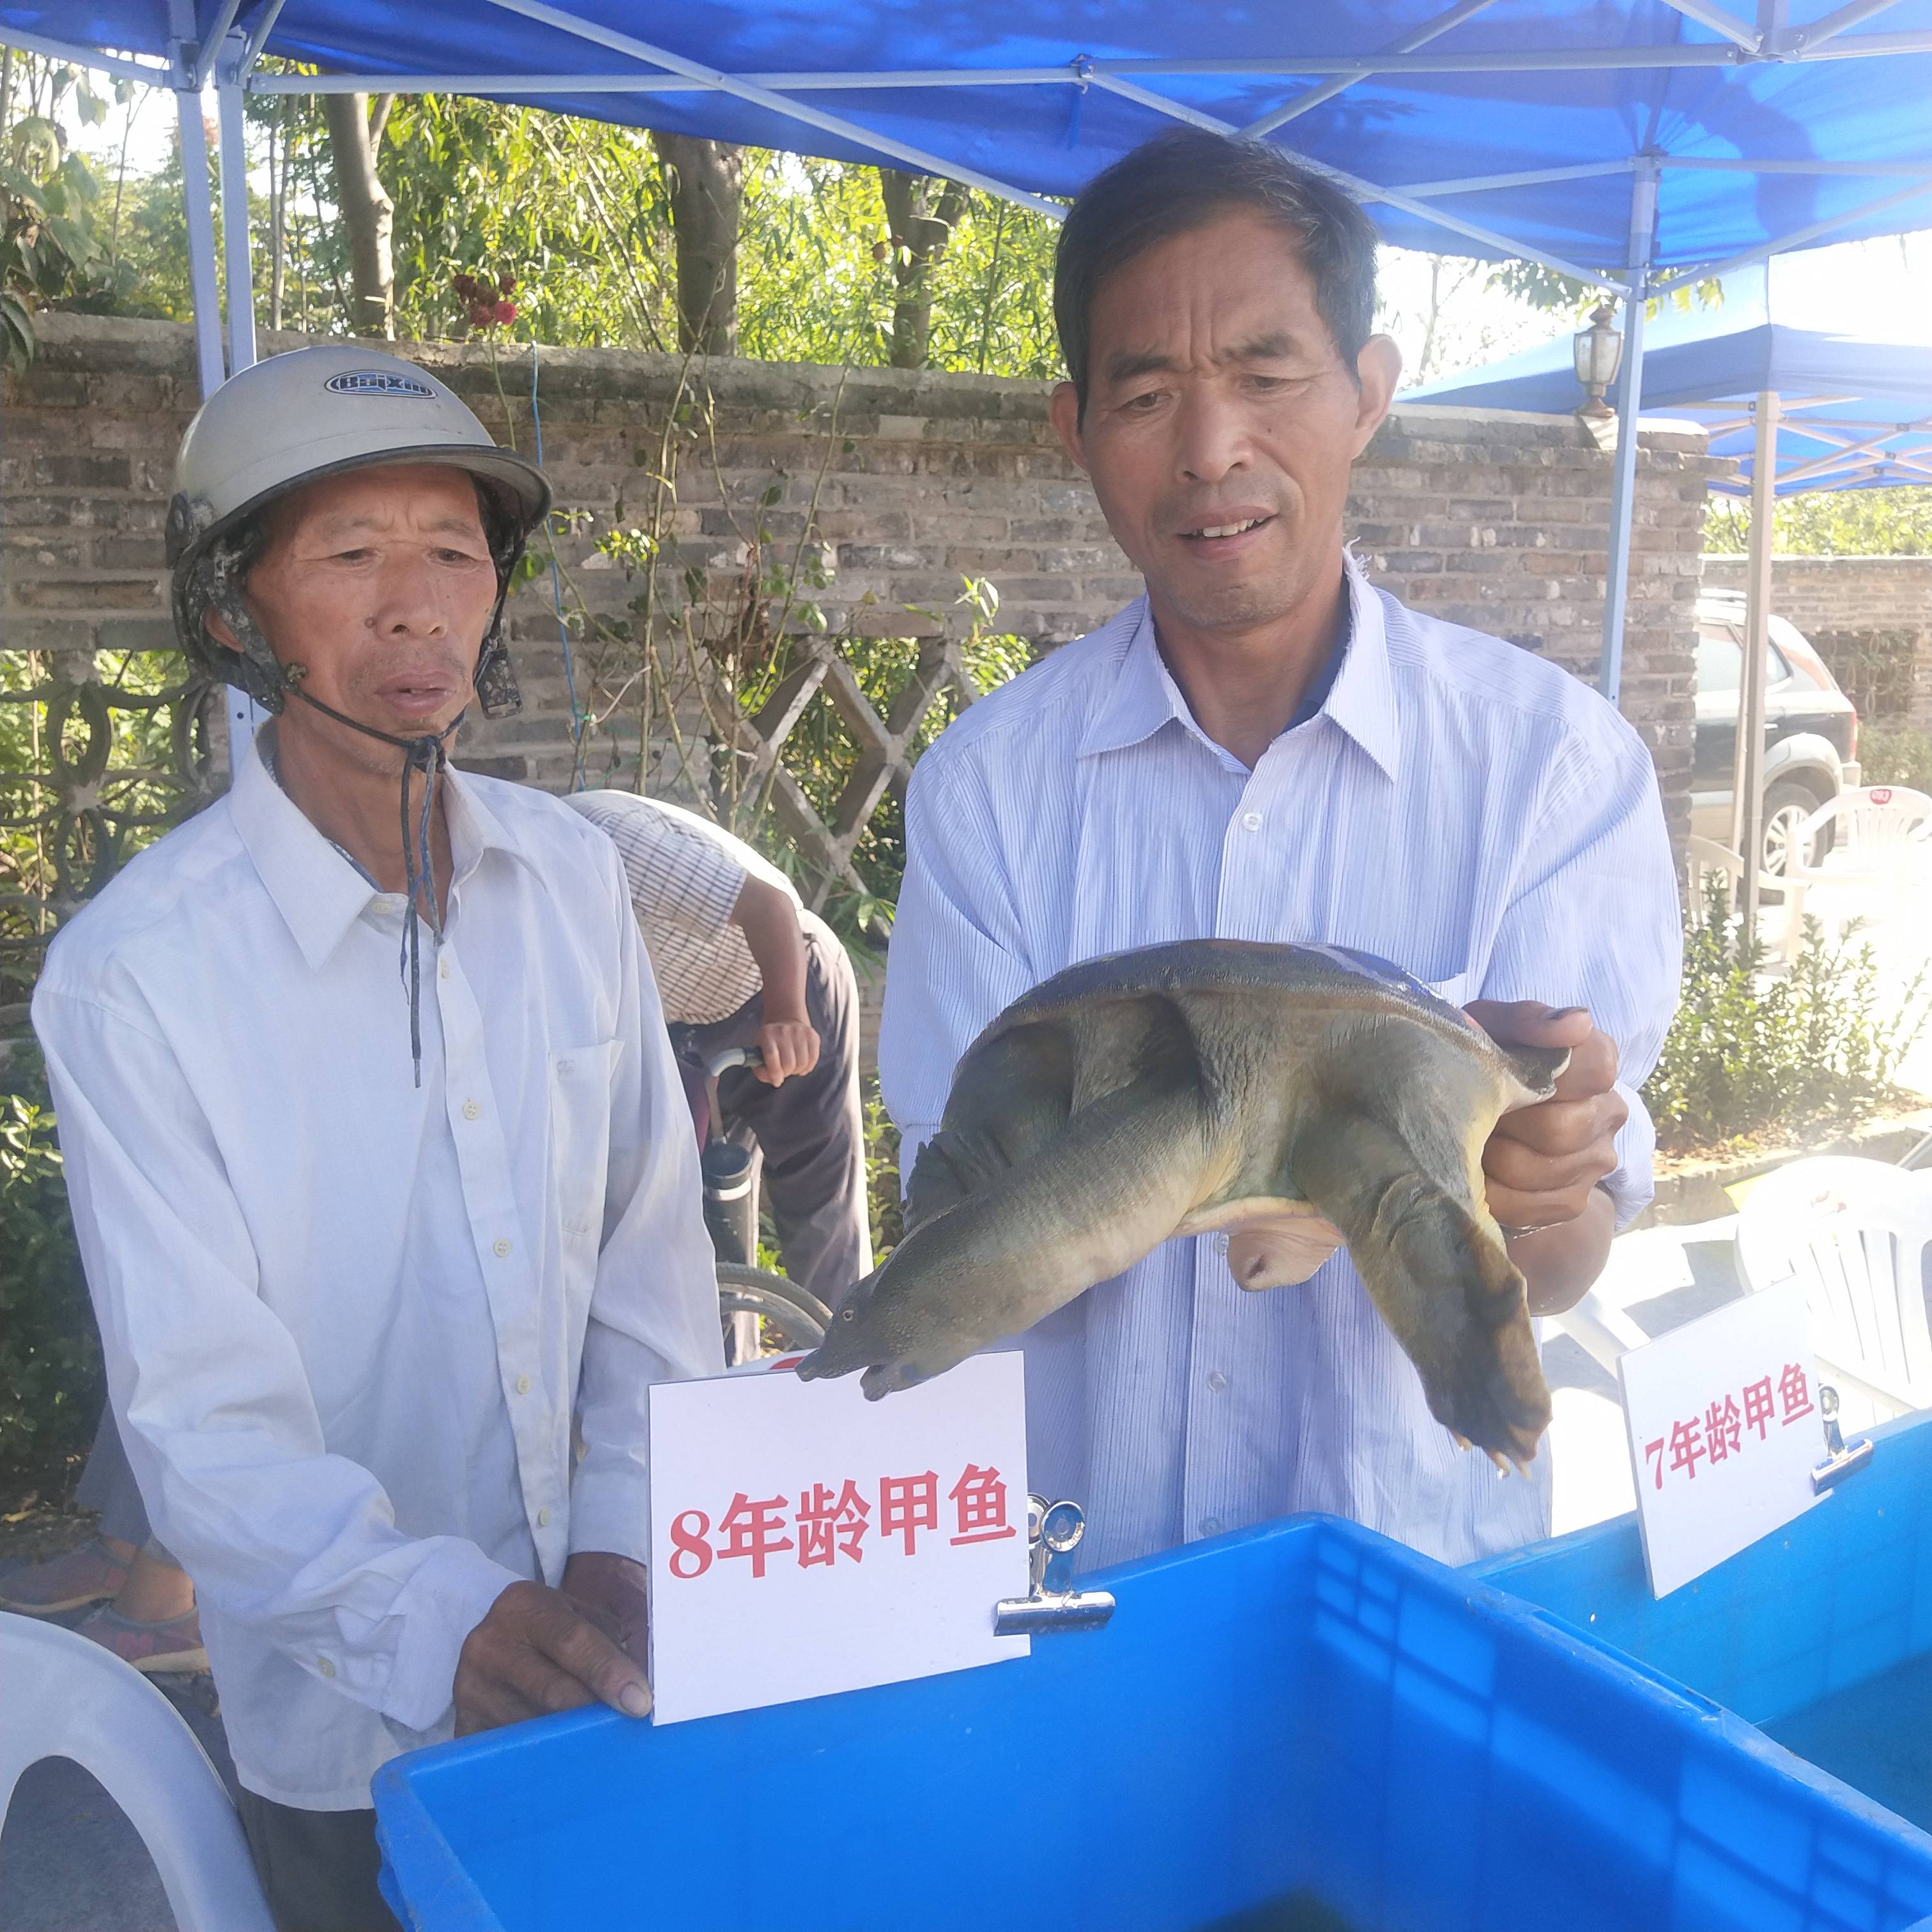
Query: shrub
(50, 1380)
(1896, 754)
(1747, 1057)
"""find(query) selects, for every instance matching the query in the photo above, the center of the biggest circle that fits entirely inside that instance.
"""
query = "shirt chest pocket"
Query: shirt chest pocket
(579, 1137)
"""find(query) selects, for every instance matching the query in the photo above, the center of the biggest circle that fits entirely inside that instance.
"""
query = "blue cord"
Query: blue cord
(577, 720)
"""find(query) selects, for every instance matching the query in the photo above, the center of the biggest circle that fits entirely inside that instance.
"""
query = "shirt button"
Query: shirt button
(1253, 821)
(499, 1248)
(1211, 1526)
(442, 969)
(1220, 1244)
(543, 1518)
(1216, 1380)
(566, 1068)
(522, 1385)
(322, 1664)
(471, 1110)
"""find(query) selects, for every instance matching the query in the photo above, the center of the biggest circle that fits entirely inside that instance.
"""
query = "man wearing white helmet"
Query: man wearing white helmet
(381, 1167)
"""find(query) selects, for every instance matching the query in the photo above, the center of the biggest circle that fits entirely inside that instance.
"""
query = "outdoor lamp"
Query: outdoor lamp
(1598, 350)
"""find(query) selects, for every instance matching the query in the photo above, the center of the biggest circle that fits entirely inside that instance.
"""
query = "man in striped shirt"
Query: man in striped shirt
(739, 962)
(1265, 747)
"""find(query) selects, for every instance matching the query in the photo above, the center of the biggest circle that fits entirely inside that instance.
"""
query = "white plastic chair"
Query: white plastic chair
(1703, 857)
(1880, 831)
(62, 1696)
(1855, 1233)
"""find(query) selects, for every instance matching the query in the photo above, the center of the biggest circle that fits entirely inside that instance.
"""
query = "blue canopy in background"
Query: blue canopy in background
(1853, 415)
(1760, 129)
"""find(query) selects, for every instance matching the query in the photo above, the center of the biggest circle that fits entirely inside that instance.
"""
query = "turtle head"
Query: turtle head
(849, 1343)
(1536, 1070)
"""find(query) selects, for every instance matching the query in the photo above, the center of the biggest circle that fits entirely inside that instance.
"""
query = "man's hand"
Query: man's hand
(790, 1047)
(1542, 1162)
(613, 1592)
(538, 1651)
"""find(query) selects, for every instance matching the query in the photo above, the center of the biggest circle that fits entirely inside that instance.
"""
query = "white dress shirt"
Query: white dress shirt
(1457, 806)
(347, 1320)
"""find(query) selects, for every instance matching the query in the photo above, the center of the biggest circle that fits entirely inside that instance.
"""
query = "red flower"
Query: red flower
(481, 315)
(506, 311)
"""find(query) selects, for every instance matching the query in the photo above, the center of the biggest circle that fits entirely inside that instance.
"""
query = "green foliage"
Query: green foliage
(1547, 288)
(50, 1382)
(51, 250)
(1829, 523)
(882, 1175)
(1748, 1058)
(1896, 754)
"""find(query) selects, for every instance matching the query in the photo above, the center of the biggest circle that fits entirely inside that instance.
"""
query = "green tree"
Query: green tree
(1829, 523)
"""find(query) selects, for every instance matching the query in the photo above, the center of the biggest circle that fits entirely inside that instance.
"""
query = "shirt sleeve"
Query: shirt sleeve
(217, 1416)
(678, 881)
(654, 1309)
(958, 957)
(1594, 921)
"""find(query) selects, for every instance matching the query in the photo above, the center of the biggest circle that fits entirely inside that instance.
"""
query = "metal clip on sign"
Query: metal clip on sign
(1053, 1532)
(1841, 1459)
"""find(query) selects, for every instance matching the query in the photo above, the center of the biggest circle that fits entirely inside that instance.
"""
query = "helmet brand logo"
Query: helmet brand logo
(376, 382)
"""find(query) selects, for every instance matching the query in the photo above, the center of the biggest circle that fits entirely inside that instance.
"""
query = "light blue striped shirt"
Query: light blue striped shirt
(1457, 806)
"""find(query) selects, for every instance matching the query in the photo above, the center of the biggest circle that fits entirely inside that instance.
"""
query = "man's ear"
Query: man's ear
(217, 627)
(1063, 408)
(1377, 370)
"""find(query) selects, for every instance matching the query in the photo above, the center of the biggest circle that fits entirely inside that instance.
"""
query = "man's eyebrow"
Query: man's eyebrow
(1124, 365)
(347, 523)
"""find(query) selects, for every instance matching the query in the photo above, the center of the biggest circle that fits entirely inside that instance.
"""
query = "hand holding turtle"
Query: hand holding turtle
(1542, 1162)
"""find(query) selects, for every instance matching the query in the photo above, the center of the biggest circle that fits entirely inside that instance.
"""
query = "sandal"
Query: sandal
(175, 1645)
(92, 1573)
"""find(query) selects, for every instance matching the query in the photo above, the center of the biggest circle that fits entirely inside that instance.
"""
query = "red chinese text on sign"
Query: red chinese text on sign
(908, 1505)
(751, 1529)
(981, 1499)
(832, 1523)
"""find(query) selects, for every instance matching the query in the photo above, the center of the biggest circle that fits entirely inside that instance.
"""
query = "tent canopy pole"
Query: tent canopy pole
(1630, 403)
(1747, 796)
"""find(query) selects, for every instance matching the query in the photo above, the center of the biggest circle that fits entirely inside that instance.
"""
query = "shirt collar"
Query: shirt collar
(1361, 699)
(319, 892)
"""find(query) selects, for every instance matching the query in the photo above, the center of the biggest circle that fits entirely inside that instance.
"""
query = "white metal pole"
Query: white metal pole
(1630, 403)
(1747, 811)
(203, 285)
(244, 715)
(239, 278)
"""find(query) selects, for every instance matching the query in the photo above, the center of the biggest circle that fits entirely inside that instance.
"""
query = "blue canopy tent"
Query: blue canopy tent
(1801, 410)
(1632, 143)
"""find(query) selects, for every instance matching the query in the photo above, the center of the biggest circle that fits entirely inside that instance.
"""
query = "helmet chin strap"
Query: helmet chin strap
(428, 754)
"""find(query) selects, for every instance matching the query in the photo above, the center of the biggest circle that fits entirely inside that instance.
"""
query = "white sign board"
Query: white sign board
(806, 1541)
(1724, 1432)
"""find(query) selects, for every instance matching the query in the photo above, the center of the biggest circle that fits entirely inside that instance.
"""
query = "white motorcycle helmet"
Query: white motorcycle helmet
(291, 420)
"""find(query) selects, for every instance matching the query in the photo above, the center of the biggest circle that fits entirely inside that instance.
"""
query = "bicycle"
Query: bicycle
(731, 1174)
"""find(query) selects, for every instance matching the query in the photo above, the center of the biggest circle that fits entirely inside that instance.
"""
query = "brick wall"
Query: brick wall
(1491, 519)
(1854, 607)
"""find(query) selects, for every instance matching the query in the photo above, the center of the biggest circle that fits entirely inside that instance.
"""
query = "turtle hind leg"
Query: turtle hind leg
(1441, 1278)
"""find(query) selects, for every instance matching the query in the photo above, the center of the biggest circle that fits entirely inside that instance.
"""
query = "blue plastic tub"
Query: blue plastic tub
(1822, 1634)
(1303, 1712)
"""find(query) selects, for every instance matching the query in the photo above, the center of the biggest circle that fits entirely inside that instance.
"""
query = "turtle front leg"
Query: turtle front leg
(1113, 1184)
(1440, 1277)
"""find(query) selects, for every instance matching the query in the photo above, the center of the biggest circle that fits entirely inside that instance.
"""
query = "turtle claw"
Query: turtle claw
(1501, 1462)
(1461, 1442)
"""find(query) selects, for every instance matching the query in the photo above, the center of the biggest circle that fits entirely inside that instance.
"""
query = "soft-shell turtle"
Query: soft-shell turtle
(1218, 1083)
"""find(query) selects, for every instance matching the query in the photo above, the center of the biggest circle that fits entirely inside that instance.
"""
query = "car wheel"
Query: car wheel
(1786, 806)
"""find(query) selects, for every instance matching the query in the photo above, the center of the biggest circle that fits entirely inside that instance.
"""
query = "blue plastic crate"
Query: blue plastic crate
(1822, 1633)
(1303, 1708)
